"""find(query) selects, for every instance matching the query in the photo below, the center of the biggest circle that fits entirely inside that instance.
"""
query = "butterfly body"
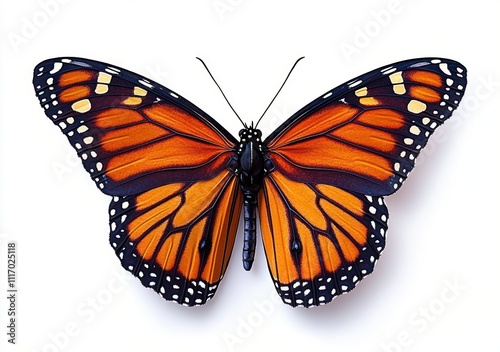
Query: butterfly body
(250, 169)
(180, 181)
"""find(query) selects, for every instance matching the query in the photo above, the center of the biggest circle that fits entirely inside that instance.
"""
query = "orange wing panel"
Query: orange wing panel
(366, 137)
(131, 134)
(177, 239)
(319, 240)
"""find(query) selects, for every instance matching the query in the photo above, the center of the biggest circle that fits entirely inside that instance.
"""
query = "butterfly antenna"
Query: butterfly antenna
(217, 84)
(279, 90)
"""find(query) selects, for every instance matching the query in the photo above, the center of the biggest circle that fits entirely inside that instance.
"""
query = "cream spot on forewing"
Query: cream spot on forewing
(369, 101)
(416, 106)
(104, 78)
(361, 92)
(396, 77)
(101, 88)
(81, 106)
(140, 91)
(132, 101)
(399, 89)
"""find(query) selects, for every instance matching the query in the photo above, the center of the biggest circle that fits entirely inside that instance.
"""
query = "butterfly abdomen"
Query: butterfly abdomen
(249, 215)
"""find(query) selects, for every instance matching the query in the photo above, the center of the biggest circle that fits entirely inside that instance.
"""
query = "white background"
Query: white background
(443, 231)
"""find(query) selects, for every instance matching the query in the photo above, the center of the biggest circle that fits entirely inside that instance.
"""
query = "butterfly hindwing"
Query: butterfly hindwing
(365, 135)
(177, 238)
(131, 133)
(319, 240)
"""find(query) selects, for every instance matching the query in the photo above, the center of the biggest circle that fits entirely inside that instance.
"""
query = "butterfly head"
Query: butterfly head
(250, 133)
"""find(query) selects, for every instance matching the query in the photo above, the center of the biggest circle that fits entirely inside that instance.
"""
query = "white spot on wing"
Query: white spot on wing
(408, 141)
(82, 129)
(57, 67)
(356, 83)
(415, 130)
(146, 83)
(444, 67)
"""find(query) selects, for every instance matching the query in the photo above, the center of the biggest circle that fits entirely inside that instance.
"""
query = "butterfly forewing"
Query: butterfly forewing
(365, 135)
(131, 133)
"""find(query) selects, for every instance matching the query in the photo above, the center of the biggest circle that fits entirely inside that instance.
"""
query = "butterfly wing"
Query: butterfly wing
(176, 205)
(364, 135)
(320, 240)
(131, 133)
(323, 217)
(177, 238)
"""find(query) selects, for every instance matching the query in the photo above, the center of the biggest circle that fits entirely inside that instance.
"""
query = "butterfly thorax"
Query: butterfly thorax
(250, 160)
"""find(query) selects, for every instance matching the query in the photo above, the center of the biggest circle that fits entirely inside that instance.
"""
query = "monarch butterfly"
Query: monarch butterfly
(179, 180)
